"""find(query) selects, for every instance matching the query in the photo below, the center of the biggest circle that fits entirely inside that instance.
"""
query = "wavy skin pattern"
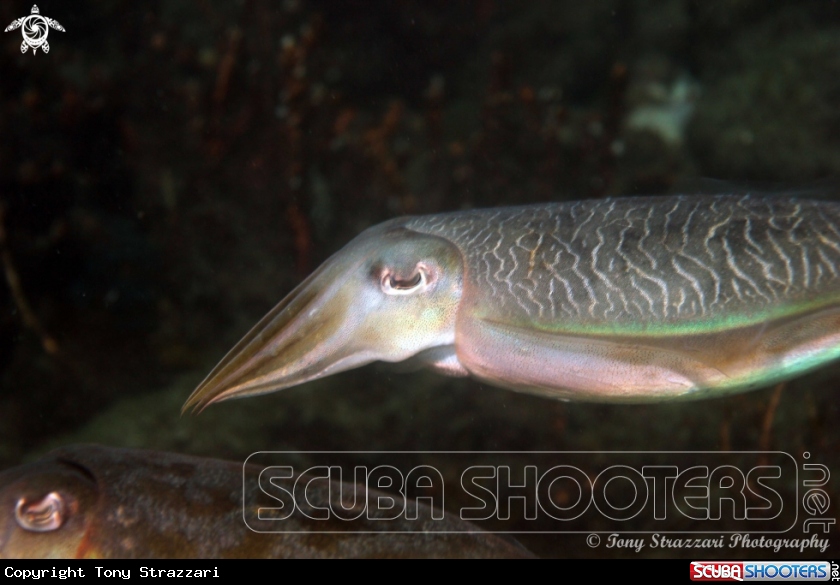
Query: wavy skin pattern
(694, 262)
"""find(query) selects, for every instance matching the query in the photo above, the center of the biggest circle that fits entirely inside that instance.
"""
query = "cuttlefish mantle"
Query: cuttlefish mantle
(625, 300)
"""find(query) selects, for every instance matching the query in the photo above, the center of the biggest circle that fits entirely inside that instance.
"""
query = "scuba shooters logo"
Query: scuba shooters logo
(763, 571)
(35, 29)
(638, 496)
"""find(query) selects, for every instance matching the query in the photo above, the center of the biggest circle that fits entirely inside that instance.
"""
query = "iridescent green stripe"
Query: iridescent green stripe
(659, 329)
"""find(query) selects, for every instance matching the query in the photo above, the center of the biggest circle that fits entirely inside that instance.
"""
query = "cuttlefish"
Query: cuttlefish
(619, 300)
(92, 502)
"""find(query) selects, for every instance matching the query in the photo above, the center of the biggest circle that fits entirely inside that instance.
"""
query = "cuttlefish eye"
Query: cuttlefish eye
(395, 285)
(44, 515)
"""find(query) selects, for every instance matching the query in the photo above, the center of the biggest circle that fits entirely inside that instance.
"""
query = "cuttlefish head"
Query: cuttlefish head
(47, 509)
(388, 295)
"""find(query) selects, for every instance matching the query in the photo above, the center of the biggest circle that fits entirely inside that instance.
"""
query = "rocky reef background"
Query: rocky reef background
(171, 169)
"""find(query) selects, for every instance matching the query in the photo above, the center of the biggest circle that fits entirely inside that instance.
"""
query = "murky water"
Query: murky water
(170, 170)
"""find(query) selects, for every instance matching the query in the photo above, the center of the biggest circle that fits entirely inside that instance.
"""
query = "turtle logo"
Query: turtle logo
(35, 29)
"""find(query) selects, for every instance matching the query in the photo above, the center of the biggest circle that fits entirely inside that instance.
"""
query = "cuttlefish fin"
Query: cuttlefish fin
(597, 368)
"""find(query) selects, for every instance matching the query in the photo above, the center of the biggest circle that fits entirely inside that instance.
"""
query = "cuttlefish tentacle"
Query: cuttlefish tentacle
(390, 295)
(632, 299)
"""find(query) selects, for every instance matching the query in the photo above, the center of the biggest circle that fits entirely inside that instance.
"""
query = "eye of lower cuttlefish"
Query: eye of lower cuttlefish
(394, 285)
(44, 515)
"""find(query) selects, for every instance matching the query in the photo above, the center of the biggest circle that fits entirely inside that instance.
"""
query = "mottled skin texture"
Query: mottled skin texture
(631, 299)
(126, 503)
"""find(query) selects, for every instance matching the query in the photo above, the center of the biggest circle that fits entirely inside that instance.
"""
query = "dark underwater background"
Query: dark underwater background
(171, 169)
